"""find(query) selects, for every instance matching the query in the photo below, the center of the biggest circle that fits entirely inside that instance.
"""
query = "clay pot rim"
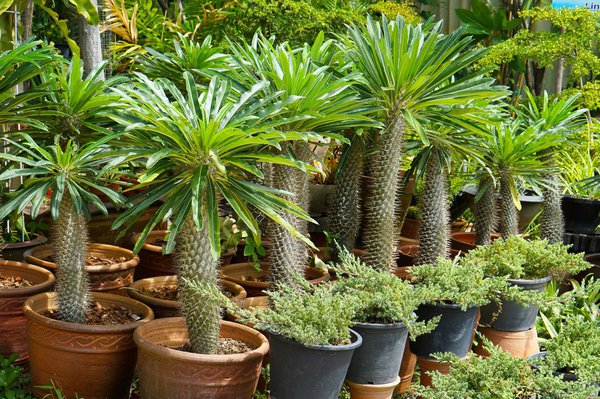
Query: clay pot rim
(158, 248)
(133, 260)
(381, 326)
(46, 297)
(332, 348)
(177, 355)
(37, 240)
(376, 387)
(265, 266)
(172, 281)
(26, 291)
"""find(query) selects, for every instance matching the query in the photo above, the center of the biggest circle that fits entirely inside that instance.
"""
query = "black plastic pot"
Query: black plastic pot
(512, 316)
(317, 372)
(594, 259)
(454, 332)
(582, 216)
(566, 376)
(378, 359)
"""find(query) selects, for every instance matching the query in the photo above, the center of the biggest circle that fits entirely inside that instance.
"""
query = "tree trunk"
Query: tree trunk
(90, 44)
(27, 20)
(434, 230)
(194, 261)
(380, 201)
(345, 213)
(509, 225)
(486, 217)
(552, 224)
(70, 243)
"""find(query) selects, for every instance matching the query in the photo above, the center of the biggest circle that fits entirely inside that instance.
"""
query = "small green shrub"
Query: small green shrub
(14, 384)
(518, 258)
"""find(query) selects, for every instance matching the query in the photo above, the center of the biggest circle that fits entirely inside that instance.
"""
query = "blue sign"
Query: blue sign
(589, 4)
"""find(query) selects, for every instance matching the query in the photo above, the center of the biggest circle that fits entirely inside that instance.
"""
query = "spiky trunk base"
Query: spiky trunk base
(486, 218)
(345, 213)
(434, 230)
(380, 201)
(194, 262)
(509, 222)
(553, 223)
(70, 243)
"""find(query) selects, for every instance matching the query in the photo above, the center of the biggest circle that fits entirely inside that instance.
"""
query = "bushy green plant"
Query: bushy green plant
(381, 297)
(518, 258)
(463, 284)
(14, 383)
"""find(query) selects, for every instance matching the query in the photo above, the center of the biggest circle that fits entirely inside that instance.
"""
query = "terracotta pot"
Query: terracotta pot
(16, 250)
(410, 228)
(239, 272)
(428, 365)
(407, 369)
(153, 263)
(167, 373)
(168, 308)
(465, 241)
(90, 361)
(13, 324)
(519, 344)
(407, 254)
(102, 278)
(370, 391)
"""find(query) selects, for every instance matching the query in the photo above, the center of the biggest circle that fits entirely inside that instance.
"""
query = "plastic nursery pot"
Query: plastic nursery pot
(13, 324)
(454, 333)
(465, 241)
(566, 376)
(370, 391)
(86, 361)
(300, 371)
(102, 278)
(519, 343)
(153, 263)
(16, 250)
(168, 373)
(582, 216)
(255, 282)
(594, 259)
(511, 316)
(171, 308)
(377, 360)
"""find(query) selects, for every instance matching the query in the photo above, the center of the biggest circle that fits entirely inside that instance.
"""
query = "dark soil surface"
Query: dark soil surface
(97, 261)
(13, 282)
(259, 279)
(106, 315)
(159, 243)
(226, 346)
(171, 293)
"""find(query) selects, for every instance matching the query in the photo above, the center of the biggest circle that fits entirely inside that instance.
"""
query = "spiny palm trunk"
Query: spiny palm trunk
(434, 228)
(303, 198)
(509, 225)
(194, 262)
(70, 243)
(345, 213)
(379, 207)
(553, 223)
(401, 209)
(486, 217)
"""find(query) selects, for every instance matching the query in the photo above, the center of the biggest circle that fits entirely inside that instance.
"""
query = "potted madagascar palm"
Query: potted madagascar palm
(200, 147)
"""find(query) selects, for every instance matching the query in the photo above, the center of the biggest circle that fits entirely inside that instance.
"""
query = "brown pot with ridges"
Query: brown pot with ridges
(13, 324)
(168, 373)
(103, 278)
(86, 361)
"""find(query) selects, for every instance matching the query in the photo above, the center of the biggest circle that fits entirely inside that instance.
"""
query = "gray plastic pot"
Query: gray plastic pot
(512, 316)
(378, 359)
(316, 372)
(454, 333)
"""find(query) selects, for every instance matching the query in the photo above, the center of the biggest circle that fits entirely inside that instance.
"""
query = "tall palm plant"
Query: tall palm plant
(202, 147)
(562, 116)
(412, 72)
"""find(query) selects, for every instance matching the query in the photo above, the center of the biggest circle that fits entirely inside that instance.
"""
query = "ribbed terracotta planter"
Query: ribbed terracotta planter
(239, 272)
(13, 324)
(168, 308)
(428, 365)
(167, 373)
(86, 361)
(519, 344)
(16, 250)
(153, 263)
(102, 278)
(370, 391)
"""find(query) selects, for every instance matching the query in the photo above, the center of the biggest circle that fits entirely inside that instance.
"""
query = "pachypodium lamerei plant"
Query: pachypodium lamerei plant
(559, 118)
(201, 148)
(316, 75)
(410, 70)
